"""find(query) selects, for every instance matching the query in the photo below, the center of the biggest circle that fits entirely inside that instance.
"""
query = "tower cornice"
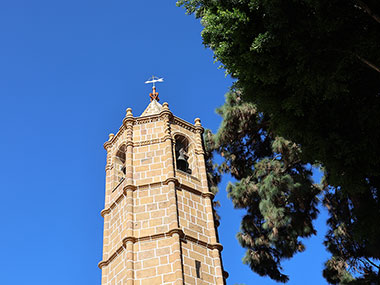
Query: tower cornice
(131, 121)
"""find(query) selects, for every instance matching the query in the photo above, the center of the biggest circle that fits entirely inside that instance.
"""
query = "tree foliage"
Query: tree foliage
(274, 186)
(311, 69)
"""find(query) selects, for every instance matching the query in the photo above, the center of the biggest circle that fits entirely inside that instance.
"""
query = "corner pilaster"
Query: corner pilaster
(172, 195)
(208, 196)
(128, 191)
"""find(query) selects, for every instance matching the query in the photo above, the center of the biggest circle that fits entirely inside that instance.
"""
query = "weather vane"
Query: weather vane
(154, 94)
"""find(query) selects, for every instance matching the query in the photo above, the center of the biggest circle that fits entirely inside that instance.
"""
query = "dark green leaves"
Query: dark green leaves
(274, 187)
(307, 71)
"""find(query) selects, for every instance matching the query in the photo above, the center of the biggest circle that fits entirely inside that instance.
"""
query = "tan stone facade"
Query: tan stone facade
(158, 220)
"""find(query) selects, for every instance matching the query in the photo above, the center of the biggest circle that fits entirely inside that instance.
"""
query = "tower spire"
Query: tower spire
(153, 80)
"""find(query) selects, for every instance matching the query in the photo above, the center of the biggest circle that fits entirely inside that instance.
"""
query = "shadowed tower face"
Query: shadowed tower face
(158, 216)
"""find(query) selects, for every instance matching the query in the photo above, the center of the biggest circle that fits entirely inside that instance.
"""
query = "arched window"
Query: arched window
(182, 153)
(120, 163)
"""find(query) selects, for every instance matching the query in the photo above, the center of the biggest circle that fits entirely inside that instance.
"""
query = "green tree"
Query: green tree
(311, 68)
(274, 186)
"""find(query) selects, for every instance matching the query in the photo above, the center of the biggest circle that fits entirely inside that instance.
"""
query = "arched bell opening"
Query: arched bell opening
(120, 158)
(182, 154)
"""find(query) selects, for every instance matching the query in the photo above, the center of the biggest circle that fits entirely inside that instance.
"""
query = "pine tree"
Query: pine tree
(274, 186)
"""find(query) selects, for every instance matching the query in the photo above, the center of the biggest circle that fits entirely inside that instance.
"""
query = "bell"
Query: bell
(182, 160)
(182, 156)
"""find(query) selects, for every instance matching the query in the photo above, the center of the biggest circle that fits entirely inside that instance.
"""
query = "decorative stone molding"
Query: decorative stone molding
(148, 142)
(182, 235)
(148, 185)
(107, 144)
(138, 239)
(140, 143)
(113, 205)
(129, 187)
(198, 126)
(171, 179)
(176, 231)
(166, 113)
(105, 212)
(186, 175)
(123, 194)
(189, 189)
(208, 195)
(129, 121)
(121, 181)
(119, 134)
(183, 124)
(147, 119)
(179, 186)
(217, 246)
(195, 191)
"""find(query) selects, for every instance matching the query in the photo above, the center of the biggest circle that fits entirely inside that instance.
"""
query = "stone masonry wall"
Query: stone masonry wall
(192, 252)
(192, 215)
(157, 221)
(156, 261)
(151, 215)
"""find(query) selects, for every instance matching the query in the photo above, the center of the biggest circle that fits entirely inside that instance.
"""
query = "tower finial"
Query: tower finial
(154, 94)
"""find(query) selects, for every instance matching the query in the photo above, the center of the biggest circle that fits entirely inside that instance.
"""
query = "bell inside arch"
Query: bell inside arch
(120, 158)
(182, 163)
(181, 149)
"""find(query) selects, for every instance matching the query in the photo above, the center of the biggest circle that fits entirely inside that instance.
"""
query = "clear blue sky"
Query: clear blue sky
(68, 71)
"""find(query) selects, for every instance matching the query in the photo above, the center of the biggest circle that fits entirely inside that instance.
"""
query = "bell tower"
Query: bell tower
(158, 217)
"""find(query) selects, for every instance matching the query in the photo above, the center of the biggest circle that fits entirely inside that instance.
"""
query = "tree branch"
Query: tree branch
(365, 7)
(276, 156)
(373, 264)
(371, 65)
(363, 60)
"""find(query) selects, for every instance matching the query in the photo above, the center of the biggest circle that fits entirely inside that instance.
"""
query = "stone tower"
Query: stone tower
(158, 216)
